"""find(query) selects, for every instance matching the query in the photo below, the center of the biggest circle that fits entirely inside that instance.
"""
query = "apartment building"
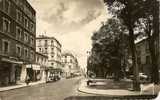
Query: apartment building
(17, 40)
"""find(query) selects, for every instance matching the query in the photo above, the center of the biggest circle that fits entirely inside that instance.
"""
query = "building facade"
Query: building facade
(17, 39)
(50, 47)
(41, 61)
(143, 56)
(70, 64)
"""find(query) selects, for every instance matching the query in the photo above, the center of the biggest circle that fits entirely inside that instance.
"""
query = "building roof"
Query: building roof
(68, 54)
(31, 7)
(46, 37)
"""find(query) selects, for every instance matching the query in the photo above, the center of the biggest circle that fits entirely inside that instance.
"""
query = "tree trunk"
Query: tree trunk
(155, 74)
(136, 84)
(155, 69)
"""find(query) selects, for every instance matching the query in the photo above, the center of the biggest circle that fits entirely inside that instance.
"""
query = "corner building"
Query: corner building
(50, 47)
(17, 40)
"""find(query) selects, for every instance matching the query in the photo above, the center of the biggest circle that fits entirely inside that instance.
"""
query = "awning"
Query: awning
(33, 66)
(11, 61)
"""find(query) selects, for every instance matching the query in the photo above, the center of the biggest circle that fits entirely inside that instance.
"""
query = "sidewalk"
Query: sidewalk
(20, 85)
(116, 92)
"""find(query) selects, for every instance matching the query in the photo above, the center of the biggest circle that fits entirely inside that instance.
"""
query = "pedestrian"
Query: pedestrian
(27, 80)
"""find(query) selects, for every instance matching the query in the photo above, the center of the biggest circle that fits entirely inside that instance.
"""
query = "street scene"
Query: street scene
(79, 50)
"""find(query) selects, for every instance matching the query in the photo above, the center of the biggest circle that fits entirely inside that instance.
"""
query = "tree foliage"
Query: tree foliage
(129, 12)
(107, 48)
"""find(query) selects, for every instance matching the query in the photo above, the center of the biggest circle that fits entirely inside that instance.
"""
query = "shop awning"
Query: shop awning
(11, 61)
(33, 66)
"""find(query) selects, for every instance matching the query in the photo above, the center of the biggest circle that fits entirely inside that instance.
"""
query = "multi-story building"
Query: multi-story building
(41, 62)
(17, 39)
(143, 56)
(70, 64)
(51, 47)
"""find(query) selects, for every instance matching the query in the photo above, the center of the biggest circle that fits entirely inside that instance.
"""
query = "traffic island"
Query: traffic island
(83, 87)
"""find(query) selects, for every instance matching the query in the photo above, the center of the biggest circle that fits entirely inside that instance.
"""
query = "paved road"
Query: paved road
(50, 91)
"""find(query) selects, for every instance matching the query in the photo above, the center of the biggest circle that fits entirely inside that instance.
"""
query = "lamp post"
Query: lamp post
(88, 60)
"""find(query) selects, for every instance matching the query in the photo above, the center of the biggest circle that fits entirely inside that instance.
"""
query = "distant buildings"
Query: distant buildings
(41, 62)
(70, 64)
(17, 40)
(50, 47)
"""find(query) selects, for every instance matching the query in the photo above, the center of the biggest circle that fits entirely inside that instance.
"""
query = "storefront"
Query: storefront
(34, 72)
(10, 71)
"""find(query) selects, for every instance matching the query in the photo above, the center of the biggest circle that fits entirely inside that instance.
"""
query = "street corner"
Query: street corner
(111, 92)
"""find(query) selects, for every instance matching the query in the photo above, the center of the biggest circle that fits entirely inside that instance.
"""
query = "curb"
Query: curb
(101, 94)
(78, 89)
(15, 88)
(23, 86)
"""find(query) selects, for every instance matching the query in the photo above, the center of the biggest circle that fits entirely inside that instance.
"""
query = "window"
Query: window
(148, 60)
(32, 27)
(18, 33)
(52, 50)
(6, 25)
(52, 43)
(39, 43)
(5, 46)
(32, 41)
(26, 24)
(18, 50)
(40, 49)
(18, 15)
(37, 59)
(26, 37)
(46, 50)
(7, 6)
(71, 60)
(31, 55)
(26, 52)
(147, 47)
(46, 42)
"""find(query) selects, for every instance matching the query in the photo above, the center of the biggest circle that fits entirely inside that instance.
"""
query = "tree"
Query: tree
(107, 48)
(150, 24)
(129, 12)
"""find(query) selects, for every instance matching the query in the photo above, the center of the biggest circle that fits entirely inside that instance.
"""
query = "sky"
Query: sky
(72, 22)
